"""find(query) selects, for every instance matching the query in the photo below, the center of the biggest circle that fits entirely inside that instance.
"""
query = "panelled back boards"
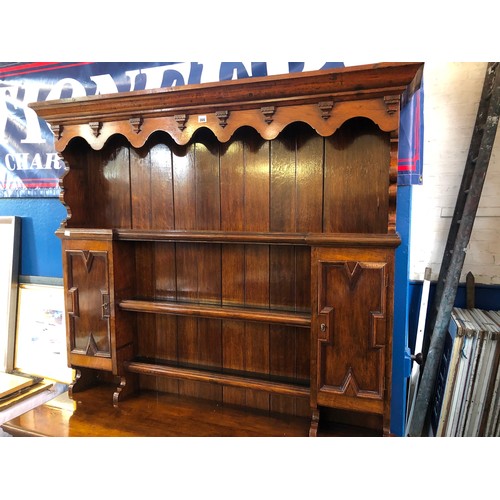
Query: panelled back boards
(235, 241)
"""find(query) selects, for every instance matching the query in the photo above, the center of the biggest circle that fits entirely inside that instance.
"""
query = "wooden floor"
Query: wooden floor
(152, 414)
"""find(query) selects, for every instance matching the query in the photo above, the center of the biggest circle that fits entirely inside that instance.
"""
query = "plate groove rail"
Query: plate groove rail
(302, 320)
(217, 378)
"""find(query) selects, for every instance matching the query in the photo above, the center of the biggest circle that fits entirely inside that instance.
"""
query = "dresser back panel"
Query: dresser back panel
(298, 182)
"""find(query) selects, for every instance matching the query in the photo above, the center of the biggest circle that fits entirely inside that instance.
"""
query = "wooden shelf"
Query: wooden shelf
(276, 238)
(268, 238)
(235, 237)
(302, 320)
(248, 382)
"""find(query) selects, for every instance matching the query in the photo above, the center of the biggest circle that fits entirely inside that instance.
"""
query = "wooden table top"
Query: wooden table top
(151, 414)
(91, 414)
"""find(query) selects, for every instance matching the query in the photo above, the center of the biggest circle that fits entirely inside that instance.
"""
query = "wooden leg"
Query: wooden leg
(313, 430)
(387, 432)
(386, 424)
(127, 386)
(84, 378)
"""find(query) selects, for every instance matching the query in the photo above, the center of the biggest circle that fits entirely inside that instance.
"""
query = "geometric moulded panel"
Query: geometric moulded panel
(352, 310)
(88, 302)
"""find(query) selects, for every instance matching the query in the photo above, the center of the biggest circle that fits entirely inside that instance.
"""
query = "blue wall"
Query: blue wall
(400, 360)
(40, 247)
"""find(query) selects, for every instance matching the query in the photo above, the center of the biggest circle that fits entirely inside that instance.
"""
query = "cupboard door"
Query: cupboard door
(88, 304)
(351, 325)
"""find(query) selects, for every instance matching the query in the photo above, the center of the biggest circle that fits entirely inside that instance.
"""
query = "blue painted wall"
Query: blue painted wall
(400, 368)
(40, 247)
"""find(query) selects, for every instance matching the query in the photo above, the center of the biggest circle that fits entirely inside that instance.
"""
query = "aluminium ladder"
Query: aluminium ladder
(469, 194)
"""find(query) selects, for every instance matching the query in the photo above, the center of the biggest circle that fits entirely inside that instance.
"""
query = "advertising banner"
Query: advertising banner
(29, 165)
(411, 132)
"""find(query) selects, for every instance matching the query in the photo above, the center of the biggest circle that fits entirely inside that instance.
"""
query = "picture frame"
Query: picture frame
(40, 347)
(10, 236)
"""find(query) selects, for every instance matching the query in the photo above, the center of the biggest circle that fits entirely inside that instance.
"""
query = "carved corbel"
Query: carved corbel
(96, 127)
(181, 121)
(326, 109)
(222, 116)
(57, 131)
(268, 112)
(136, 123)
(391, 104)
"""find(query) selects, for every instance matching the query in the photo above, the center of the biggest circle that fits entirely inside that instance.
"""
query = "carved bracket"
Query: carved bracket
(126, 387)
(84, 378)
(391, 104)
(222, 116)
(96, 127)
(268, 112)
(181, 121)
(136, 123)
(57, 131)
(313, 430)
(326, 109)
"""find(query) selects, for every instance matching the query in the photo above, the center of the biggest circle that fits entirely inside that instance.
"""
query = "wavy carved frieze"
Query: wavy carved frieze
(268, 122)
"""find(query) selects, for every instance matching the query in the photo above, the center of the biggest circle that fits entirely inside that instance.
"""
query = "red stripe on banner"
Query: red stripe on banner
(30, 185)
(35, 179)
(16, 67)
(25, 69)
(411, 163)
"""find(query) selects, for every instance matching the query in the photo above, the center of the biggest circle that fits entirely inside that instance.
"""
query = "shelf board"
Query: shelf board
(200, 375)
(270, 238)
(291, 318)
(263, 238)
(234, 237)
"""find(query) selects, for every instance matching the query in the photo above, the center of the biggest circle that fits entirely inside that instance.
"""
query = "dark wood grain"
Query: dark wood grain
(356, 187)
(232, 219)
(246, 261)
(75, 187)
(289, 282)
(109, 176)
(352, 354)
(252, 314)
(156, 414)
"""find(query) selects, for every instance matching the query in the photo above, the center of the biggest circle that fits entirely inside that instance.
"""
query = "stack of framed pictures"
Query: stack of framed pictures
(33, 357)
(469, 397)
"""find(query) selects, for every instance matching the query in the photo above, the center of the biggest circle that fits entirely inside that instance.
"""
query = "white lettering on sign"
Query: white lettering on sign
(14, 100)
(25, 161)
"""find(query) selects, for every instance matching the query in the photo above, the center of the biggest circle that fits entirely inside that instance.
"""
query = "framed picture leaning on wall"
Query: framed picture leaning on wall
(10, 231)
(41, 333)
